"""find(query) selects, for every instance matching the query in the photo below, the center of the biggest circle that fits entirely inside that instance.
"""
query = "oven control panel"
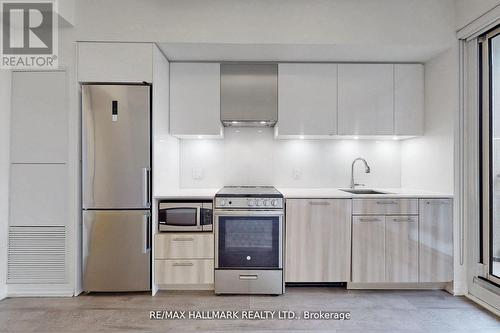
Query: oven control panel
(249, 203)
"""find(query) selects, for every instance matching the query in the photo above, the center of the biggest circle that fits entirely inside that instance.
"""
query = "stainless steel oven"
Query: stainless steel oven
(249, 235)
(249, 239)
(185, 216)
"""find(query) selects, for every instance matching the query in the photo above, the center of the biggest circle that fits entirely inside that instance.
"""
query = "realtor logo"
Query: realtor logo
(29, 34)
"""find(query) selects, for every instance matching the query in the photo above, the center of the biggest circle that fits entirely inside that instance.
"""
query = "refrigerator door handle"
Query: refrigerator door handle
(147, 186)
(147, 234)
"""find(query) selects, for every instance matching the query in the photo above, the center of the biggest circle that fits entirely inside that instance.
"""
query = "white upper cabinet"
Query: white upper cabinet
(366, 99)
(195, 100)
(115, 62)
(381, 99)
(408, 99)
(307, 100)
(39, 117)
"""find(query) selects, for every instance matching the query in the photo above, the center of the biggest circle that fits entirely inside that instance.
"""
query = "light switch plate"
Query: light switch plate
(297, 173)
(197, 173)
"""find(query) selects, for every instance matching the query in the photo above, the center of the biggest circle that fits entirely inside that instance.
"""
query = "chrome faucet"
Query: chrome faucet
(367, 170)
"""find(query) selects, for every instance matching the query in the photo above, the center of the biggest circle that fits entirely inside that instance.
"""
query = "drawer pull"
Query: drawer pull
(370, 220)
(402, 220)
(319, 203)
(183, 239)
(249, 277)
(183, 264)
(387, 202)
(436, 203)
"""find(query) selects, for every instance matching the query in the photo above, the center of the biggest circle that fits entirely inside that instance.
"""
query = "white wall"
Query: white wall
(427, 161)
(469, 10)
(5, 96)
(248, 157)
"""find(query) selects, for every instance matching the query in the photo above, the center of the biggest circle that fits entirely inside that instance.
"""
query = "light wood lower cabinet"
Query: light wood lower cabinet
(384, 249)
(318, 240)
(184, 260)
(368, 249)
(197, 245)
(436, 240)
(184, 272)
(401, 249)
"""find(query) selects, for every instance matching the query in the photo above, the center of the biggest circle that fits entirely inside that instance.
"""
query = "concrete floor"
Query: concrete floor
(371, 311)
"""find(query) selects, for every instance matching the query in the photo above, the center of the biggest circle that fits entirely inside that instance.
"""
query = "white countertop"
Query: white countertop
(188, 193)
(309, 193)
(325, 193)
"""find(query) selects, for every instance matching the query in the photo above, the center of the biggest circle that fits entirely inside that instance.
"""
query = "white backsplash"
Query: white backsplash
(251, 156)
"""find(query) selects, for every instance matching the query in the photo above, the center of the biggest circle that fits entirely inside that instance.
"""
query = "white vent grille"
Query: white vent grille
(37, 255)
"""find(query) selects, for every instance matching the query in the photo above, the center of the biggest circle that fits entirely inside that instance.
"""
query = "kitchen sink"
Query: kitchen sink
(364, 191)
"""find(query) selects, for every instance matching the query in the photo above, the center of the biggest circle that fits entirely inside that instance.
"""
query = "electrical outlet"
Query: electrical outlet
(197, 173)
(297, 173)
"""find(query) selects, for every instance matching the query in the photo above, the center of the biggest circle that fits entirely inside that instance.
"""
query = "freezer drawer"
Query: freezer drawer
(116, 250)
(116, 146)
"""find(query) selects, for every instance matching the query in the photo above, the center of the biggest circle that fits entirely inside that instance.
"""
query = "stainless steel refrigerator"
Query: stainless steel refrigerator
(116, 187)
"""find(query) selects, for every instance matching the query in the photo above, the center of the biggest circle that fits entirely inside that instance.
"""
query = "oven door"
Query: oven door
(248, 240)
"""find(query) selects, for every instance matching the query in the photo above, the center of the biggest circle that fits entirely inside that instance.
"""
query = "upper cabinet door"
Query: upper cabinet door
(115, 62)
(39, 117)
(195, 99)
(366, 99)
(408, 99)
(307, 100)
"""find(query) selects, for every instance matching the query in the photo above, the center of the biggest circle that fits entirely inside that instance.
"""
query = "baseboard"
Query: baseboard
(396, 286)
(43, 290)
(459, 288)
(3, 292)
(208, 286)
(483, 304)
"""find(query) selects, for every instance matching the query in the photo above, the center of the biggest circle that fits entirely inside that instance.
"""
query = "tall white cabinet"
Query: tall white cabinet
(39, 184)
(307, 96)
(195, 100)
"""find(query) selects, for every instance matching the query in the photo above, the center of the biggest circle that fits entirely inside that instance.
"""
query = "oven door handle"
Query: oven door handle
(218, 213)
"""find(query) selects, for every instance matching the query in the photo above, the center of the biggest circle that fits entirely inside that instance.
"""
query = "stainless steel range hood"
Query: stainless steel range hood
(249, 94)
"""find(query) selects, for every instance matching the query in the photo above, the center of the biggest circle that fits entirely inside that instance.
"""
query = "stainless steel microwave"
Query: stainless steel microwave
(185, 216)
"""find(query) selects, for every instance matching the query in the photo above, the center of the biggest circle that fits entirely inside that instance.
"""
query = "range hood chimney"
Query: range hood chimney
(249, 94)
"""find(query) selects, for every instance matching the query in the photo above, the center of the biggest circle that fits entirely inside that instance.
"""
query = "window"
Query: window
(490, 152)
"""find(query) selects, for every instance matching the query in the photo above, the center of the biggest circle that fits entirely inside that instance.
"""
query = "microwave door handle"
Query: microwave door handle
(198, 217)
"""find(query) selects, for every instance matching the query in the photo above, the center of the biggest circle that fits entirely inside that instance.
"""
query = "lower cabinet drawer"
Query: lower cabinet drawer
(199, 271)
(385, 206)
(199, 245)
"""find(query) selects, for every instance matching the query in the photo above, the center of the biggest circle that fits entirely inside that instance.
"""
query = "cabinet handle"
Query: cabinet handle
(183, 239)
(182, 264)
(436, 203)
(402, 220)
(369, 220)
(319, 203)
(387, 202)
(249, 277)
